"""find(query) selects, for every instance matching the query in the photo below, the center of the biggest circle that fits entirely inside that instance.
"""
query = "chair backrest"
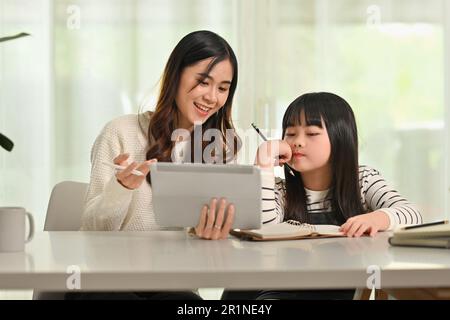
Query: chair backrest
(65, 206)
(64, 211)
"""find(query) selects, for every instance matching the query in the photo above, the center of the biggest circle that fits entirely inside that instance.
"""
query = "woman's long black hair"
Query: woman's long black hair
(338, 117)
(192, 48)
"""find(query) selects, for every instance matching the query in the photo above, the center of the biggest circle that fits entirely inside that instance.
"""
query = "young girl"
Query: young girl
(327, 185)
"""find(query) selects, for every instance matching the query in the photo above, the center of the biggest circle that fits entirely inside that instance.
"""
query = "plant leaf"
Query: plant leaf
(20, 35)
(5, 143)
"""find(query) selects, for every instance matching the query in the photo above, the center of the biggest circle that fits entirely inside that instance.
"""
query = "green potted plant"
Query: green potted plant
(5, 142)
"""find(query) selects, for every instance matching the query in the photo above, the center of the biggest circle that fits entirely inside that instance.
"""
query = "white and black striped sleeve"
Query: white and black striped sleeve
(271, 198)
(378, 195)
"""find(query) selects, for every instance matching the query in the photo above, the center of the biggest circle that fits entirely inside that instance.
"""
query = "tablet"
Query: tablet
(180, 190)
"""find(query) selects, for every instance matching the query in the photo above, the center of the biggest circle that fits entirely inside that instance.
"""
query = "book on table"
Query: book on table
(289, 230)
(435, 235)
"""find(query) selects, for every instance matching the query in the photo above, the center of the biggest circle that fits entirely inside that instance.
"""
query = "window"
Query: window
(90, 61)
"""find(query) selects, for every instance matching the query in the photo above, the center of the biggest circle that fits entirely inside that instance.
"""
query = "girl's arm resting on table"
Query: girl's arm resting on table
(388, 210)
(380, 197)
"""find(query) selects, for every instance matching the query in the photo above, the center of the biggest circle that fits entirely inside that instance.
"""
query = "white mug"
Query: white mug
(12, 229)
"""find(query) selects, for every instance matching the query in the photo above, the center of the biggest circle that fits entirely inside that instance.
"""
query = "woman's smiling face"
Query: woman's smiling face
(198, 99)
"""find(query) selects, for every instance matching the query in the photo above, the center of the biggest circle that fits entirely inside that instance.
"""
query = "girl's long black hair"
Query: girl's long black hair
(338, 117)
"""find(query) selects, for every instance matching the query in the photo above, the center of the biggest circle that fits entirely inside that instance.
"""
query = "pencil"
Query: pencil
(426, 225)
(259, 132)
(265, 139)
(117, 167)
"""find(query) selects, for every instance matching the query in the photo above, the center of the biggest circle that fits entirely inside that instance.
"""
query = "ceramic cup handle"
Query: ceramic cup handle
(31, 224)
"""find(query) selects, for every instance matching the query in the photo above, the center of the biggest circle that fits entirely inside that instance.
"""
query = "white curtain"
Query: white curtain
(26, 106)
(88, 62)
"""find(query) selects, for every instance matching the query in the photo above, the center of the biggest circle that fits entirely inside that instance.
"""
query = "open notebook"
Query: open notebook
(289, 230)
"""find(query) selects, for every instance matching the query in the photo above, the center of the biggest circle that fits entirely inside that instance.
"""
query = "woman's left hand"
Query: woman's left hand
(212, 225)
(369, 223)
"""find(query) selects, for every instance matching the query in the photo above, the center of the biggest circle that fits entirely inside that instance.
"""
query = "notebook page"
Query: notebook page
(327, 229)
(283, 230)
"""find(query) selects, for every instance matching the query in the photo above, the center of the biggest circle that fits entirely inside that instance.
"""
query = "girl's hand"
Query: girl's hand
(125, 177)
(211, 225)
(272, 153)
(369, 223)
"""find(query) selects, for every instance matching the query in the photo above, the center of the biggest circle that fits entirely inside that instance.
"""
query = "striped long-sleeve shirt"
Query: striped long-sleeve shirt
(375, 195)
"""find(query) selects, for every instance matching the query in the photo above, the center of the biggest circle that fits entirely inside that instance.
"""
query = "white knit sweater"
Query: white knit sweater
(108, 205)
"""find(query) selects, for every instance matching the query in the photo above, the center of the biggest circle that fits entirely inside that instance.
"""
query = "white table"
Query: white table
(174, 260)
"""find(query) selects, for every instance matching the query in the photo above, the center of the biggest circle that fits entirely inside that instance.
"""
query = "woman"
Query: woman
(198, 85)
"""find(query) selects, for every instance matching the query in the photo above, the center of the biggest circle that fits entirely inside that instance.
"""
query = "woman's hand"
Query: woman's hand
(125, 177)
(211, 225)
(369, 223)
(272, 153)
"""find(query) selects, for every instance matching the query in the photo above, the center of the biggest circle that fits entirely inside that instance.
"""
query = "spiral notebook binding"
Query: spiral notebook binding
(300, 224)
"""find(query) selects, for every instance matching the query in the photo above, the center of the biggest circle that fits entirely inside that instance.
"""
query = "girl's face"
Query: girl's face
(198, 101)
(311, 148)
